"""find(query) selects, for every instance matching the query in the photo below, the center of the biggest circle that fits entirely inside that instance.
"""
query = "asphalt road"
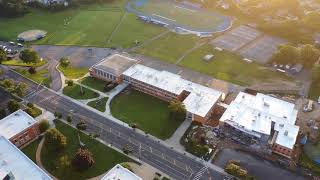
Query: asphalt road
(162, 157)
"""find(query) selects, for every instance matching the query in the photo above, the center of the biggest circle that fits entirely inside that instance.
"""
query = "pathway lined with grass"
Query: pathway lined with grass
(74, 92)
(73, 72)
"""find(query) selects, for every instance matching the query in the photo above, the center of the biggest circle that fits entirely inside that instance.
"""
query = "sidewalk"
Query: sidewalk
(174, 140)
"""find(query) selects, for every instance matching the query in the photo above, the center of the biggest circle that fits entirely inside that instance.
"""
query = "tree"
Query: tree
(12, 8)
(32, 70)
(29, 56)
(177, 110)
(286, 55)
(55, 139)
(309, 55)
(64, 62)
(81, 125)
(44, 125)
(83, 159)
(69, 118)
(57, 115)
(3, 113)
(20, 89)
(3, 55)
(13, 106)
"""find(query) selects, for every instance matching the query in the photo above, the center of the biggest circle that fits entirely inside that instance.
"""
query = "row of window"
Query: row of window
(151, 88)
(105, 75)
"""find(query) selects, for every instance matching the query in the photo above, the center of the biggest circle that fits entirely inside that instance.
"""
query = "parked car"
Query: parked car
(12, 43)
(308, 107)
(20, 45)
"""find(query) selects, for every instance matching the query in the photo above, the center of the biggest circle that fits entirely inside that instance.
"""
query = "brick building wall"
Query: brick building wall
(26, 135)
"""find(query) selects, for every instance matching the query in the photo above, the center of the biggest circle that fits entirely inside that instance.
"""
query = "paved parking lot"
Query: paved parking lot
(79, 56)
(236, 38)
(262, 49)
(12, 50)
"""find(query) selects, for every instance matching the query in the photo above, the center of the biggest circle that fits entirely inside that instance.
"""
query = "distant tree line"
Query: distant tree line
(12, 8)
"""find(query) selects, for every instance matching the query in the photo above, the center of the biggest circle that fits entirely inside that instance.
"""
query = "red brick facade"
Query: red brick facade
(278, 149)
(26, 135)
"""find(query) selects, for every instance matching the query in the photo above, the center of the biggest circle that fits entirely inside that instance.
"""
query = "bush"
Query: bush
(44, 125)
(13, 106)
(3, 113)
(32, 70)
(127, 166)
(30, 105)
(29, 56)
(82, 125)
(70, 83)
(83, 159)
(64, 62)
(58, 115)
(55, 139)
(34, 112)
(69, 118)
(109, 86)
(177, 110)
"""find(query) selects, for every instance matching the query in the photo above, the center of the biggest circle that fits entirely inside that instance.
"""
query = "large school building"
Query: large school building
(198, 99)
(263, 119)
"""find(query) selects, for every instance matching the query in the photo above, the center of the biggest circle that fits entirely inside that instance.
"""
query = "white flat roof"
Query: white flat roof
(14, 161)
(256, 114)
(200, 100)
(15, 123)
(120, 173)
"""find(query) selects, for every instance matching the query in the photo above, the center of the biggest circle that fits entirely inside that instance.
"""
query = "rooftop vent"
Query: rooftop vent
(281, 125)
(286, 133)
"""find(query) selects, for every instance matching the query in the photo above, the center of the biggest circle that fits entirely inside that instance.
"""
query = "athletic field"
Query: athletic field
(184, 15)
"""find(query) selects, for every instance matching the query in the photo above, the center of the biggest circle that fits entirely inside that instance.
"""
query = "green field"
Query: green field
(90, 25)
(132, 29)
(94, 83)
(21, 63)
(74, 92)
(40, 77)
(100, 104)
(169, 47)
(31, 149)
(105, 157)
(149, 113)
(181, 15)
(229, 67)
(73, 72)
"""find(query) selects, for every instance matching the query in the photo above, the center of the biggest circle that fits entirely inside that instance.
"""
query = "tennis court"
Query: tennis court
(188, 16)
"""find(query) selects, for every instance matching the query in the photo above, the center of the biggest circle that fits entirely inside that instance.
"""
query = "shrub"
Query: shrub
(83, 159)
(55, 139)
(127, 166)
(32, 70)
(44, 125)
(70, 83)
(82, 125)
(13, 106)
(29, 56)
(69, 118)
(3, 113)
(64, 62)
(177, 110)
(58, 115)
(34, 112)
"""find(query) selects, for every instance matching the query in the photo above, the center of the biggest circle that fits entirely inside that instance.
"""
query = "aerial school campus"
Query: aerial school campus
(156, 89)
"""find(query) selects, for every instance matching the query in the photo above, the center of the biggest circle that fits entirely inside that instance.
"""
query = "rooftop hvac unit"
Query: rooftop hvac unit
(286, 133)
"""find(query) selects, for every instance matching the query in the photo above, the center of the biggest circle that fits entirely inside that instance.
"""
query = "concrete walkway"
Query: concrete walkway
(174, 140)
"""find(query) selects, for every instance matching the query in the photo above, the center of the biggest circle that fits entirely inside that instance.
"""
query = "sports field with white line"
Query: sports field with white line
(181, 15)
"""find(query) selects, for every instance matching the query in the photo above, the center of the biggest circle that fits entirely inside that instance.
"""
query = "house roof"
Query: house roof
(15, 123)
(13, 161)
(199, 101)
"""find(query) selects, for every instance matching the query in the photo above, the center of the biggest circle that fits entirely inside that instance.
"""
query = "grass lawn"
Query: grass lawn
(99, 104)
(72, 72)
(31, 149)
(229, 67)
(132, 29)
(21, 63)
(149, 113)
(105, 157)
(74, 92)
(169, 47)
(94, 83)
(85, 25)
(305, 161)
(40, 77)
